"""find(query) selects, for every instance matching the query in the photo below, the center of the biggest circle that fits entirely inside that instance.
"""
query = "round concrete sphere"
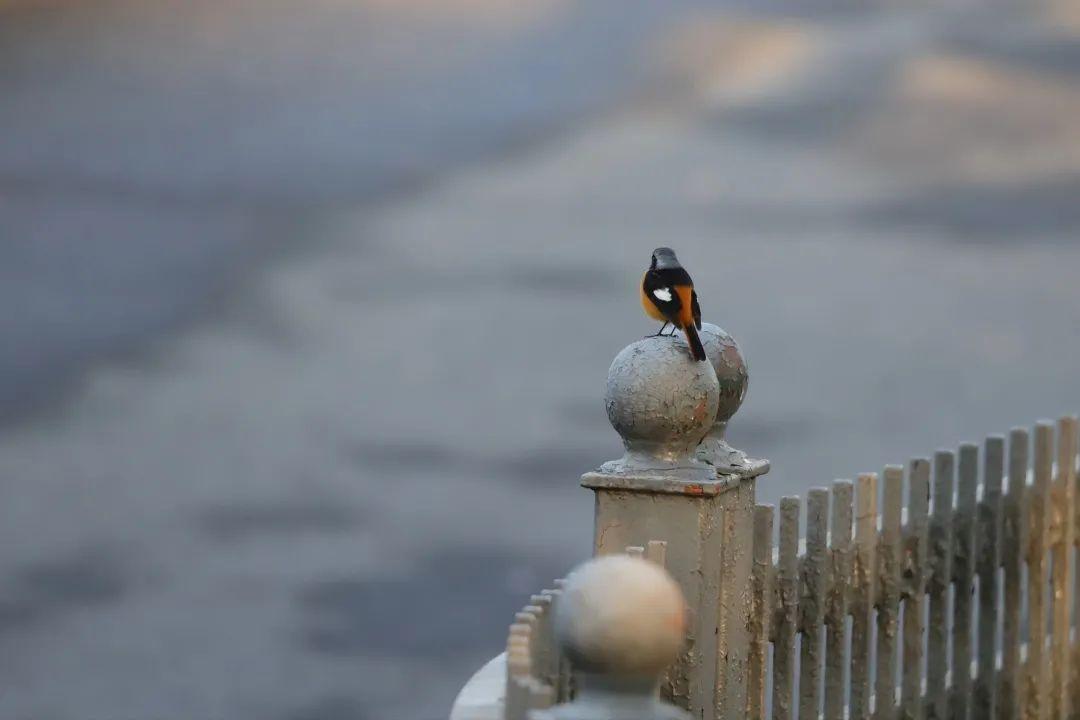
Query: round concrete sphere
(660, 400)
(620, 615)
(731, 372)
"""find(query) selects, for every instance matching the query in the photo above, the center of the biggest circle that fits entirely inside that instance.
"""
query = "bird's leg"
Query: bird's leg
(660, 332)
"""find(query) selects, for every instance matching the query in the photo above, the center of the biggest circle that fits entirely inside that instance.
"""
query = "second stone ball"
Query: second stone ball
(730, 367)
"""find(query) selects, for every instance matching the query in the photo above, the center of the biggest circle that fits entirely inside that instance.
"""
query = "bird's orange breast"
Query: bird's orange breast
(646, 302)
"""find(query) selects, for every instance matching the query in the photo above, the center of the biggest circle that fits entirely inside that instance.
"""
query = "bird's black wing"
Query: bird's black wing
(661, 293)
(695, 309)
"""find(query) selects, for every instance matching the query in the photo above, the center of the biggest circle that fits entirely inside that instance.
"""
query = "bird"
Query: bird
(668, 295)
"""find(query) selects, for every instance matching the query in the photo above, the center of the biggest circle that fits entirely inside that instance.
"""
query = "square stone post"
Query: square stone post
(706, 524)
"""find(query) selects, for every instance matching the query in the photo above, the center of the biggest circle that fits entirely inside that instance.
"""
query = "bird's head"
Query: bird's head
(662, 258)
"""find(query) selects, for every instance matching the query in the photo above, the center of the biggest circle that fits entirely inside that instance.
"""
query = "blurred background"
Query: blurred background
(308, 307)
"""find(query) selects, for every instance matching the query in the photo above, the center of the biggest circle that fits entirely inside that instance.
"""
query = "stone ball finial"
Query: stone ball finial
(661, 402)
(730, 367)
(733, 379)
(621, 615)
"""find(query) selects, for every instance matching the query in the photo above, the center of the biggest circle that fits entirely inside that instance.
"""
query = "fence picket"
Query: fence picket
(1035, 674)
(984, 698)
(1070, 467)
(656, 551)
(517, 691)
(558, 662)
(1063, 495)
(761, 603)
(964, 553)
(914, 570)
(1013, 541)
(836, 600)
(812, 602)
(888, 615)
(1072, 470)
(533, 616)
(518, 667)
(938, 583)
(864, 577)
(564, 678)
(787, 604)
(543, 640)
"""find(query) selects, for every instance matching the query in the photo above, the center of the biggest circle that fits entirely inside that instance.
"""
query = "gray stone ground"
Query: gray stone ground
(312, 481)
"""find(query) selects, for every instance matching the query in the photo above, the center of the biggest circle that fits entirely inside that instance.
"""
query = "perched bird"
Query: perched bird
(667, 294)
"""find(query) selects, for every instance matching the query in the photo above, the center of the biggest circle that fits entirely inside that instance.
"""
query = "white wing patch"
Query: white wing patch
(662, 294)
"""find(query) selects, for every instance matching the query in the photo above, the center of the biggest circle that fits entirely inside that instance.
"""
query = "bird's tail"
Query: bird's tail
(697, 350)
